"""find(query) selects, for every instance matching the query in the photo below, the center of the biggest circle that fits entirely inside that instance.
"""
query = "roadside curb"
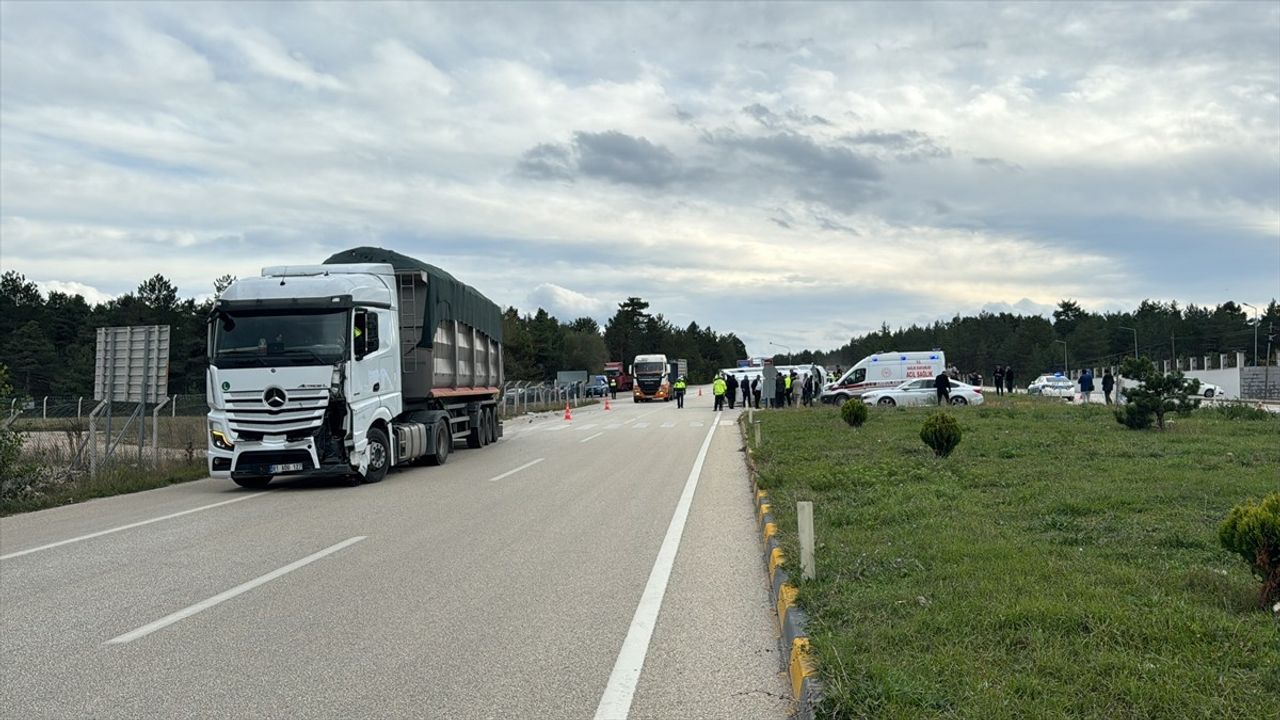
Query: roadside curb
(797, 658)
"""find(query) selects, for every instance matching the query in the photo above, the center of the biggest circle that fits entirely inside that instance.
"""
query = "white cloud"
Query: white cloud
(569, 304)
(92, 295)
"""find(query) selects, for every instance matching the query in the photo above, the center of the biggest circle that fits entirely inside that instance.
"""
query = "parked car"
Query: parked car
(922, 392)
(1060, 386)
(1209, 390)
(597, 386)
(1038, 384)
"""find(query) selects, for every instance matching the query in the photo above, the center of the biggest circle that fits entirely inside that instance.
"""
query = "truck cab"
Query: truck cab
(302, 366)
(651, 378)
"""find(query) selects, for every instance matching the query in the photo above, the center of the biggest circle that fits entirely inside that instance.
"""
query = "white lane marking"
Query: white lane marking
(584, 428)
(624, 422)
(696, 423)
(615, 704)
(593, 437)
(640, 425)
(668, 424)
(727, 423)
(509, 473)
(130, 526)
(555, 428)
(203, 605)
(613, 426)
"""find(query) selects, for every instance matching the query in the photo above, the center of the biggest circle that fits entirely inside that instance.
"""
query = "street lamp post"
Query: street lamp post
(788, 349)
(1064, 357)
(1135, 340)
(1255, 332)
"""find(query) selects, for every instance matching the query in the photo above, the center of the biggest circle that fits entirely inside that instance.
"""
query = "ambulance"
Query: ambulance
(884, 370)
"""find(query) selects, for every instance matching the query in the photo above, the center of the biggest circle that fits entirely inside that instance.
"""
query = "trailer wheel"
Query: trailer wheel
(379, 456)
(253, 483)
(486, 437)
(493, 426)
(443, 443)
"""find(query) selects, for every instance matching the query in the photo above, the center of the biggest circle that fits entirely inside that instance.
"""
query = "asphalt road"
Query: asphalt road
(510, 583)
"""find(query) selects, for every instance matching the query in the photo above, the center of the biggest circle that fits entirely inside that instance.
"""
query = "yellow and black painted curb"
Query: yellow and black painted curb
(797, 659)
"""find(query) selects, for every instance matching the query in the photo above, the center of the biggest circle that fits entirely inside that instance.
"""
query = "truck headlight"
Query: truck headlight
(220, 438)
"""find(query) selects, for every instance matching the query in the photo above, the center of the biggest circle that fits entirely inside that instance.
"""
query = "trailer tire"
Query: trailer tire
(443, 443)
(493, 425)
(252, 483)
(379, 456)
(485, 436)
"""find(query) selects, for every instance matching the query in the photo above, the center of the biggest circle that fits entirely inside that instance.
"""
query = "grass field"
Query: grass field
(1056, 565)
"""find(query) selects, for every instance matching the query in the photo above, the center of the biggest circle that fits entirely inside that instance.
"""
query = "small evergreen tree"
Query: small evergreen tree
(1155, 394)
(854, 412)
(941, 432)
(1252, 531)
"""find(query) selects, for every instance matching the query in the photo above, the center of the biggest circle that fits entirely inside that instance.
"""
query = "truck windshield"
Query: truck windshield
(278, 338)
(648, 368)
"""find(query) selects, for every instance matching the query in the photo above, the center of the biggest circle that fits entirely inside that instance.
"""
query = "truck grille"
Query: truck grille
(649, 385)
(299, 413)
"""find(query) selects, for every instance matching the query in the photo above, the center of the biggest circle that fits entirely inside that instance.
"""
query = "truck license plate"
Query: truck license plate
(287, 467)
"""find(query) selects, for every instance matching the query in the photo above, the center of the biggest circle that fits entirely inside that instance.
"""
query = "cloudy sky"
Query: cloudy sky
(792, 173)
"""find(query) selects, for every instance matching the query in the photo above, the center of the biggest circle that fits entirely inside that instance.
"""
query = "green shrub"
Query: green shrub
(941, 432)
(1155, 394)
(1132, 416)
(1241, 411)
(854, 412)
(1252, 531)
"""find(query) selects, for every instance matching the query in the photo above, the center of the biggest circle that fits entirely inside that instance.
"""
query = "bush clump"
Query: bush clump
(854, 412)
(1252, 531)
(1241, 411)
(941, 432)
(1134, 417)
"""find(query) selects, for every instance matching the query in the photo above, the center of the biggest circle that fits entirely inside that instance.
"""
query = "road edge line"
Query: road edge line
(619, 692)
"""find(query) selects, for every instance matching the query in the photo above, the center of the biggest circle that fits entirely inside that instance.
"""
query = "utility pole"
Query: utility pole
(1135, 340)
(1255, 332)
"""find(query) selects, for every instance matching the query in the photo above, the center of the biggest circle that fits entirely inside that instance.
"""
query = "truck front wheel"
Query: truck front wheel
(379, 456)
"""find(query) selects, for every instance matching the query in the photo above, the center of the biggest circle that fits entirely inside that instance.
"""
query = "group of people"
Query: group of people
(1086, 385)
(1003, 379)
(786, 387)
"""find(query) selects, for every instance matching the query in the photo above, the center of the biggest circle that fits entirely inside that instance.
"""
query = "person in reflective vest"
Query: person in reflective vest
(718, 388)
(613, 386)
(679, 388)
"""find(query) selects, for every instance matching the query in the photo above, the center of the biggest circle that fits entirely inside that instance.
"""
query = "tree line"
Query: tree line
(1033, 344)
(47, 341)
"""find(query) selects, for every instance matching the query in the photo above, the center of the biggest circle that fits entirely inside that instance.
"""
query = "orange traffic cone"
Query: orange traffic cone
(606, 403)
(567, 415)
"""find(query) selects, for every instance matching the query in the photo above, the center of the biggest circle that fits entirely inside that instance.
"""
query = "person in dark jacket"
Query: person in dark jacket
(999, 378)
(746, 391)
(1108, 384)
(1086, 385)
(732, 389)
(942, 384)
(1008, 378)
(779, 391)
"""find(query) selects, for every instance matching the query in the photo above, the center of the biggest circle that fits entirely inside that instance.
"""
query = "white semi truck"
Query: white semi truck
(346, 369)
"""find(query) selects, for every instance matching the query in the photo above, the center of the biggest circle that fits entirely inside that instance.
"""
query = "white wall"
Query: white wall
(1228, 379)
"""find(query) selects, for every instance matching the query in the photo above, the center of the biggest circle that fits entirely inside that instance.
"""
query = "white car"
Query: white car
(922, 392)
(1060, 387)
(1209, 390)
(1038, 385)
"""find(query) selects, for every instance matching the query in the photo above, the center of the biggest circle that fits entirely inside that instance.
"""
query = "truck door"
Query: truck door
(375, 378)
